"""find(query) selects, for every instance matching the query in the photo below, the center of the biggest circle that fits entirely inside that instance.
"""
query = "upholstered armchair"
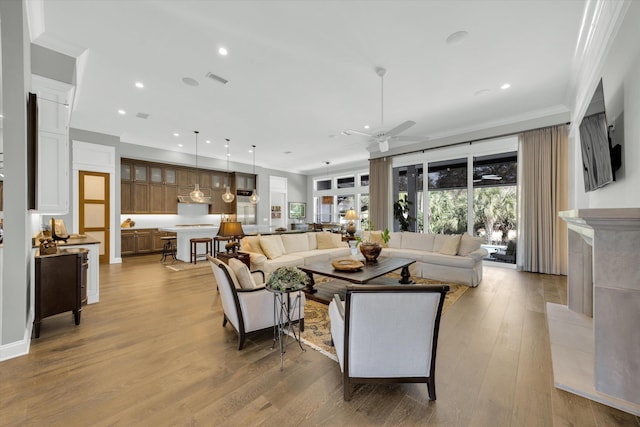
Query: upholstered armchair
(387, 334)
(246, 303)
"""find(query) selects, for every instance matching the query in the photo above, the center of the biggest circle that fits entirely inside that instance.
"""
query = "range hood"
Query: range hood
(188, 199)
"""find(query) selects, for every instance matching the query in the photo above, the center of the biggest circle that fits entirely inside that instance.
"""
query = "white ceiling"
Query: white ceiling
(301, 72)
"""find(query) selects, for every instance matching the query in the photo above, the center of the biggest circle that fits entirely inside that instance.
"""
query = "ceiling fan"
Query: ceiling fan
(382, 136)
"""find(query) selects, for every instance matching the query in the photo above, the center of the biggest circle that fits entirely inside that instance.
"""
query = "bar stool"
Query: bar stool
(168, 248)
(208, 241)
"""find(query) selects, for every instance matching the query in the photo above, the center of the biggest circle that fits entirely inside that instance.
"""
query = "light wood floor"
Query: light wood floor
(153, 352)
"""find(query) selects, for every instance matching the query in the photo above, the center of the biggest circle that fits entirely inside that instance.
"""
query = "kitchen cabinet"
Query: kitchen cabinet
(186, 177)
(53, 145)
(153, 188)
(245, 182)
(142, 241)
(134, 242)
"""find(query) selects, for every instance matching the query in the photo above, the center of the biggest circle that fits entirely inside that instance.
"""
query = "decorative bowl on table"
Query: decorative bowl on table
(347, 264)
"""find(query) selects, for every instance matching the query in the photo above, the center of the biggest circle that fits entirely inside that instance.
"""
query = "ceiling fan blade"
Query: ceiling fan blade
(400, 128)
(349, 132)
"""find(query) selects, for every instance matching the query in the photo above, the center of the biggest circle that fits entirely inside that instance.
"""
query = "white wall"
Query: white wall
(621, 84)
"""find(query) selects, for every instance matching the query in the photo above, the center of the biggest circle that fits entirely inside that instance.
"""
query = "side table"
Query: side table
(282, 323)
(240, 256)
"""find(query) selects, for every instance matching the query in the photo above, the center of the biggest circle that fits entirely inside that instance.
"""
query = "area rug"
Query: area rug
(317, 327)
(184, 266)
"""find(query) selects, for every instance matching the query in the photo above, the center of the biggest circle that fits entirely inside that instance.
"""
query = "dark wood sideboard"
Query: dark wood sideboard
(61, 284)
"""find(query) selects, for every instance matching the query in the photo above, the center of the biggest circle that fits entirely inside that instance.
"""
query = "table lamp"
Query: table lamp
(351, 215)
(231, 229)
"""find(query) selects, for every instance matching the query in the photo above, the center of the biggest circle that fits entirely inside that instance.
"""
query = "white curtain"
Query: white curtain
(542, 246)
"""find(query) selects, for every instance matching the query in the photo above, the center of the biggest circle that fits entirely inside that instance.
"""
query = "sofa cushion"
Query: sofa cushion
(468, 244)
(251, 244)
(448, 260)
(287, 260)
(295, 243)
(324, 255)
(440, 240)
(272, 246)
(245, 279)
(395, 240)
(450, 245)
(418, 241)
(313, 242)
(328, 240)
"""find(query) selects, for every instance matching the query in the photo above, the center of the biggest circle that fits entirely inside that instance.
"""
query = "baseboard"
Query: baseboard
(18, 348)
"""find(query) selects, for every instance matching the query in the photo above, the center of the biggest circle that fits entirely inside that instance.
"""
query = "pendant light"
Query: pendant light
(228, 196)
(196, 194)
(254, 198)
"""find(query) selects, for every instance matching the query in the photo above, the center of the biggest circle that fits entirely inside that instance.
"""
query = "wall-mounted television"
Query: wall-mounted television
(599, 159)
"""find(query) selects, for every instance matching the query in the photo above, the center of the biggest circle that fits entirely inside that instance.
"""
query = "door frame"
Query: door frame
(107, 201)
(97, 158)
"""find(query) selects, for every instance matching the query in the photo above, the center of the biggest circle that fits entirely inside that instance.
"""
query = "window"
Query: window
(448, 196)
(364, 180)
(494, 200)
(324, 209)
(323, 185)
(408, 182)
(347, 182)
(345, 203)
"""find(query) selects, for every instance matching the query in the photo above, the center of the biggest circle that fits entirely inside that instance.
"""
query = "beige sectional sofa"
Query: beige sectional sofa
(450, 258)
(270, 252)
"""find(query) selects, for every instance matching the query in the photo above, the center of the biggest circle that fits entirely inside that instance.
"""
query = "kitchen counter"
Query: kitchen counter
(185, 232)
(72, 241)
(93, 246)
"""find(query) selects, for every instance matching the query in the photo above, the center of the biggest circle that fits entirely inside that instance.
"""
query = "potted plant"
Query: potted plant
(287, 278)
(369, 249)
(401, 213)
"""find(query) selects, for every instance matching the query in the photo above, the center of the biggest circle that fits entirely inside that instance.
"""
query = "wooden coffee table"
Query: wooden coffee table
(368, 272)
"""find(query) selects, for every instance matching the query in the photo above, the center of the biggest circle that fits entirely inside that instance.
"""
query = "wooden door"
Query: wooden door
(94, 209)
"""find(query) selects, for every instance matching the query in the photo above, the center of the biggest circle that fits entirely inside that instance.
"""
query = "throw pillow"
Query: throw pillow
(251, 244)
(376, 237)
(468, 244)
(272, 246)
(240, 269)
(326, 240)
(450, 246)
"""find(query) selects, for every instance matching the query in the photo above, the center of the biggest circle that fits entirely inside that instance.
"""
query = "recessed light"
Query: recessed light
(176, 134)
(366, 126)
(457, 38)
(180, 145)
(505, 86)
(226, 145)
(122, 112)
(208, 141)
(139, 85)
(223, 51)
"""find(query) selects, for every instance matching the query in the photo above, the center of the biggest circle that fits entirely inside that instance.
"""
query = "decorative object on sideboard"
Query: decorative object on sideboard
(58, 230)
(128, 223)
(228, 196)
(351, 215)
(233, 230)
(254, 198)
(47, 246)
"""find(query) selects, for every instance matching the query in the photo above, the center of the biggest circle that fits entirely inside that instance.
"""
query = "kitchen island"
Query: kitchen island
(186, 232)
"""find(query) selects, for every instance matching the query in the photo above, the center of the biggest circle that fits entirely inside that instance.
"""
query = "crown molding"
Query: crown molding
(600, 23)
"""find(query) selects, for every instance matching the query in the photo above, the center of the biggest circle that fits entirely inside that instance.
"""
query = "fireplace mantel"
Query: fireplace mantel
(595, 339)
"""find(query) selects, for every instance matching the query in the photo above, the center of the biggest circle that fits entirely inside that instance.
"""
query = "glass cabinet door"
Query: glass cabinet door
(140, 173)
(155, 174)
(170, 176)
(125, 172)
